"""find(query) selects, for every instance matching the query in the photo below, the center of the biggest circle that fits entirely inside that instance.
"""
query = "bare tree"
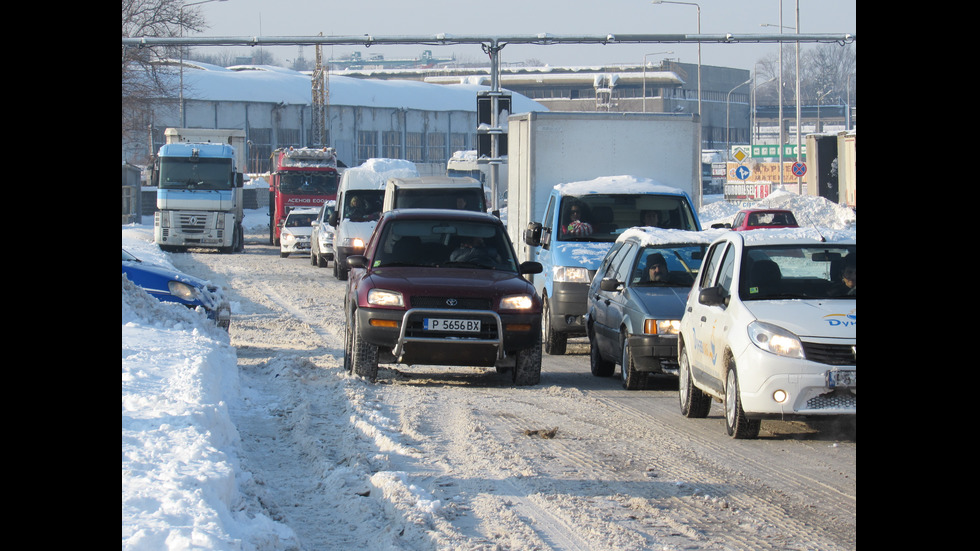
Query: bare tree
(826, 71)
(142, 79)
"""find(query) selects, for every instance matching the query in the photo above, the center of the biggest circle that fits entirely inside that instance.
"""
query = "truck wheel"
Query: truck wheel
(632, 379)
(737, 425)
(364, 355)
(600, 366)
(554, 342)
(695, 404)
(527, 370)
(341, 273)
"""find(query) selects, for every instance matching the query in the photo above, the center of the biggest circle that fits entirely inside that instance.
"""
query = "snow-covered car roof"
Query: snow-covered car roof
(305, 210)
(796, 236)
(660, 236)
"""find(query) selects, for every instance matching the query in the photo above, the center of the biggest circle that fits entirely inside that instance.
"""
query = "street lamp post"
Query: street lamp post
(180, 22)
(698, 6)
(728, 140)
(645, 76)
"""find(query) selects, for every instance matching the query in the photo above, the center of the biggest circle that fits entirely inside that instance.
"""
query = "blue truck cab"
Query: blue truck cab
(580, 222)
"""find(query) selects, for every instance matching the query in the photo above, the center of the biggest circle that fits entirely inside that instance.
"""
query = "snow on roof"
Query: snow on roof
(808, 235)
(660, 236)
(374, 173)
(616, 184)
(266, 83)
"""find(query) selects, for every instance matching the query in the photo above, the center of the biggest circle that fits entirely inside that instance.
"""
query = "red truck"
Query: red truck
(300, 177)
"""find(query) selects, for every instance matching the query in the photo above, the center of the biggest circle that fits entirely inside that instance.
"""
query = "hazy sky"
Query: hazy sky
(528, 17)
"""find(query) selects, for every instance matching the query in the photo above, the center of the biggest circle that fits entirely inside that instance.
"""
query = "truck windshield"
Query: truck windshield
(598, 217)
(308, 183)
(203, 173)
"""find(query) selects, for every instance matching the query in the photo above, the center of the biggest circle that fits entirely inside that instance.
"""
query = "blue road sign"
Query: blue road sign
(742, 172)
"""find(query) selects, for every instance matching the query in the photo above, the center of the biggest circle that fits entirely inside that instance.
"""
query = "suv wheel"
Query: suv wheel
(695, 404)
(364, 355)
(554, 342)
(737, 425)
(527, 370)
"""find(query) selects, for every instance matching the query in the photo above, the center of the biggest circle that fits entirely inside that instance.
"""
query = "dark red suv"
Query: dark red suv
(442, 287)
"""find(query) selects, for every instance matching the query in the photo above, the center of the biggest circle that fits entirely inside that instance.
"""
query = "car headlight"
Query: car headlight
(662, 327)
(775, 340)
(382, 297)
(182, 290)
(516, 302)
(568, 274)
(285, 235)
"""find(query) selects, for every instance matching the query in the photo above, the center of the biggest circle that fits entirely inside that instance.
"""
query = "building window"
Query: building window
(436, 150)
(367, 145)
(289, 137)
(457, 142)
(414, 148)
(391, 144)
(260, 148)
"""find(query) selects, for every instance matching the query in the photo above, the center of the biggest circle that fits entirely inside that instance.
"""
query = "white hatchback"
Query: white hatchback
(769, 328)
(296, 231)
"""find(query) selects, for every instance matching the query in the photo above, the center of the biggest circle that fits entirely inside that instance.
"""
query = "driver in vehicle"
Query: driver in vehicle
(474, 248)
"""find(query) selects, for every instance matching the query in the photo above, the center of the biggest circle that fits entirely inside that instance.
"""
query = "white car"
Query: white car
(769, 328)
(321, 240)
(296, 231)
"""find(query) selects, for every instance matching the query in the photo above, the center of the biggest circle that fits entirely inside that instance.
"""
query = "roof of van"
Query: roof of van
(437, 181)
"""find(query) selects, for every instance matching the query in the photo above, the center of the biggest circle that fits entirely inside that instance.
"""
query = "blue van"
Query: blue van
(581, 222)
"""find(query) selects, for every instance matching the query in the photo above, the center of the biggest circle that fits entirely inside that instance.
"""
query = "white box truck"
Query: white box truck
(577, 180)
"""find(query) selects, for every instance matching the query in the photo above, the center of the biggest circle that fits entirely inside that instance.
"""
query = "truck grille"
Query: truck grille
(192, 223)
(831, 354)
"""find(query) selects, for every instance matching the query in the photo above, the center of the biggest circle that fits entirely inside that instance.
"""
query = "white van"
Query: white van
(360, 197)
(435, 192)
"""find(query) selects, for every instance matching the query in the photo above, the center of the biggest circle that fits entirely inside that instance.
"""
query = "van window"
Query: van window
(434, 198)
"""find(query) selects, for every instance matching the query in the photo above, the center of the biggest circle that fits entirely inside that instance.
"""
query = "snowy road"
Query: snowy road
(456, 458)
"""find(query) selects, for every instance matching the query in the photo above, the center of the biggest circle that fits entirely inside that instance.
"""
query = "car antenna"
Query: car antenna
(815, 228)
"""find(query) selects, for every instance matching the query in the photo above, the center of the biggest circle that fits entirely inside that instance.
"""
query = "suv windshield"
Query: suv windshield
(597, 217)
(795, 271)
(444, 243)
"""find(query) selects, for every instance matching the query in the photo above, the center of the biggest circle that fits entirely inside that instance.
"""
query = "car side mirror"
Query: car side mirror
(713, 296)
(721, 225)
(357, 261)
(609, 284)
(332, 220)
(530, 267)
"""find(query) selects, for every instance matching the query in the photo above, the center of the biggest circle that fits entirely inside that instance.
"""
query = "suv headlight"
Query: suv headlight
(382, 297)
(182, 290)
(568, 274)
(516, 302)
(775, 340)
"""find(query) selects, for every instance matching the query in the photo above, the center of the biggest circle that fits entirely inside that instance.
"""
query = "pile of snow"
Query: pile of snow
(182, 485)
(809, 211)
(180, 449)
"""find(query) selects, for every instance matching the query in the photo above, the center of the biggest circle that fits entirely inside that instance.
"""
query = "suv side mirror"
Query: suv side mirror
(332, 219)
(713, 296)
(357, 261)
(530, 267)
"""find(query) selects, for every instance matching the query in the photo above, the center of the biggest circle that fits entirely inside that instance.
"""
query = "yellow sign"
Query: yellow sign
(763, 172)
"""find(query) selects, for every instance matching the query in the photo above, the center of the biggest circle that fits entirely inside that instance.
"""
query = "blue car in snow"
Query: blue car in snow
(170, 285)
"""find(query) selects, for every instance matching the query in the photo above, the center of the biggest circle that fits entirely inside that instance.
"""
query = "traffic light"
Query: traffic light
(484, 113)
